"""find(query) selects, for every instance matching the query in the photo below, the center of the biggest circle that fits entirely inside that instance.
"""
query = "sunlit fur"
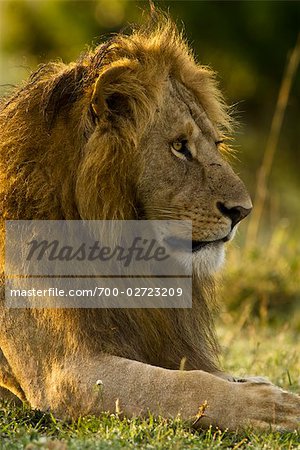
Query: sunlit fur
(56, 163)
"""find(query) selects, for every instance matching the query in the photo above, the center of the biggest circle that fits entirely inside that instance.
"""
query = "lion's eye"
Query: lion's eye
(181, 150)
(177, 146)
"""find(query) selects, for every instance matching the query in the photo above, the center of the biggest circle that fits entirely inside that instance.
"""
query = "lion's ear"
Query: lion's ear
(111, 91)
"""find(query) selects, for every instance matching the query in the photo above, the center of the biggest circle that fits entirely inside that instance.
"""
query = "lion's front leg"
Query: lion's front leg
(133, 389)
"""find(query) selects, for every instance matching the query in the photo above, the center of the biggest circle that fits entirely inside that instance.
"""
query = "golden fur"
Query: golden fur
(44, 180)
(71, 148)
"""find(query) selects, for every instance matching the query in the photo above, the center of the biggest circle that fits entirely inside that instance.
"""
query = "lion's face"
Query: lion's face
(186, 177)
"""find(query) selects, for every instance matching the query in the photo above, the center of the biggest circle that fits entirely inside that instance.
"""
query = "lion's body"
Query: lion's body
(77, 143)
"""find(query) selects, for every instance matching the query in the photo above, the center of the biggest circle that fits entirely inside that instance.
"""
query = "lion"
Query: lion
(135, 129)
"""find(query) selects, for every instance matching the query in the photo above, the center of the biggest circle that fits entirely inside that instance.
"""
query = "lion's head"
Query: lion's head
(134, 129)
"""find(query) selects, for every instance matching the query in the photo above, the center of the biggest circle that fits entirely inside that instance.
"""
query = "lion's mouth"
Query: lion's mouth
(198, 245)
(184, 244)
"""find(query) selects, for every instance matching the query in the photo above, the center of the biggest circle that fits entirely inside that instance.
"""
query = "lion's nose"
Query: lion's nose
(235, 213)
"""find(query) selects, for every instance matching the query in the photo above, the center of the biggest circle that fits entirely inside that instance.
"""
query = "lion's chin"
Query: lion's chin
(210, 259)
(206, 261)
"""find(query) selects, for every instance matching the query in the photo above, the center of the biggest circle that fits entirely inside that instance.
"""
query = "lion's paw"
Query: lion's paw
(267, 406)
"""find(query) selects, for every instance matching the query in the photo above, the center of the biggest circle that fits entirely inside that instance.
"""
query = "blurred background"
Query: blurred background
(253, 46)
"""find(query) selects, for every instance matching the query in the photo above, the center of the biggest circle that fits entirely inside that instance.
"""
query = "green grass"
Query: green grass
(265, 278)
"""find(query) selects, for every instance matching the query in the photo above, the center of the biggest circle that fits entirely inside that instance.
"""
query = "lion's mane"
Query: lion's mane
(54, 166)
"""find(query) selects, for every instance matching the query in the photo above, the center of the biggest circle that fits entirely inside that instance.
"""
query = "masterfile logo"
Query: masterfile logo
(65, 263)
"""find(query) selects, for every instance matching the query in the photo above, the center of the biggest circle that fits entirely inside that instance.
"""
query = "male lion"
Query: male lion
(131, 130)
